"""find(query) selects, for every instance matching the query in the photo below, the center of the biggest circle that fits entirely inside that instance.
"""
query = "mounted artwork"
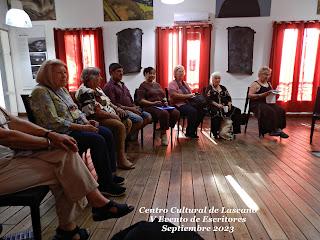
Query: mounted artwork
(240, 49)
(318, 8)
(38, 9)
(126, 10)
(130, 49)
(242, 8)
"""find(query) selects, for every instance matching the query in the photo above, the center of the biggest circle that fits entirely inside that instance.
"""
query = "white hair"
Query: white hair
(215, 74)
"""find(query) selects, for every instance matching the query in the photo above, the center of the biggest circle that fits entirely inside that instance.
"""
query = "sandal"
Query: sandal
(70, 235)
(111, 210)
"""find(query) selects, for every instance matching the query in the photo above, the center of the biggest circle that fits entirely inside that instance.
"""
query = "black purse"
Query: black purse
(198, 101)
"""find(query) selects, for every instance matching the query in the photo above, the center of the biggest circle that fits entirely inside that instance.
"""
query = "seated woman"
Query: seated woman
(96, 105)
(151, 95)
(54, 109)
(37, 157)
(219, 98)
(180, 94)
(272, 117)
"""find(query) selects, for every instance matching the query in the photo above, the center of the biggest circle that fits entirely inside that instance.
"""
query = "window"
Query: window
(294, 58)
(188, 46)
(80, 48)
(83, 50)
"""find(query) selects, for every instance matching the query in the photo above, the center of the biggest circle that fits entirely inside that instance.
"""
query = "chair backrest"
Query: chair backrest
(167, 95)
(247, 102)
(26, 101)
(316, 109)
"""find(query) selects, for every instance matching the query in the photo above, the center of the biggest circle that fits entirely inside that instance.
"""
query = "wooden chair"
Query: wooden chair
(247, 105)
(31, 197)
(315, 114)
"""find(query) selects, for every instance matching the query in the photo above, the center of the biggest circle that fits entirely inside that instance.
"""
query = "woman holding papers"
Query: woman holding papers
(272, 117)
(151, 96)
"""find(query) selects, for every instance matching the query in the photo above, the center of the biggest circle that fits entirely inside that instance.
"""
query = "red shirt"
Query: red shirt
(118, 93)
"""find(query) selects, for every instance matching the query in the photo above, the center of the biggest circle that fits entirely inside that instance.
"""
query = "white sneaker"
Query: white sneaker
(164, 140)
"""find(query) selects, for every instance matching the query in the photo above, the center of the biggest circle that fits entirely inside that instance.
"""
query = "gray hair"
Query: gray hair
(89, 73)
(215, 74)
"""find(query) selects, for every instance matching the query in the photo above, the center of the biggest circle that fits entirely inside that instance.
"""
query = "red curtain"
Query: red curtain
(80, 48)
(293, 105)
(180, 46)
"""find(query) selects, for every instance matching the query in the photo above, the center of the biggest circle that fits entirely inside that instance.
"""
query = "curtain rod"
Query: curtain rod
(86, 28)
(187, 26)
(298, 21)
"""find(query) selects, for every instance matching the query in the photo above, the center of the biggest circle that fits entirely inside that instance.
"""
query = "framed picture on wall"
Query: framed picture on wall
(38, 9)
(130, 49)
(126, 10)
(242, 8)
(240, 49)
(318, 8)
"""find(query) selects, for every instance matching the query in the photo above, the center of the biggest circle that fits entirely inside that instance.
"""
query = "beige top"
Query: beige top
(5, 153)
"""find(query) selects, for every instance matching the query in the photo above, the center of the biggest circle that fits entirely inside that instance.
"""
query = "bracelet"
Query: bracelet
(49, 144)
(46, 135)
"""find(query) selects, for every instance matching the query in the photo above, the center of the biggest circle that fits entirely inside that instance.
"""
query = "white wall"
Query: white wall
(84, 13)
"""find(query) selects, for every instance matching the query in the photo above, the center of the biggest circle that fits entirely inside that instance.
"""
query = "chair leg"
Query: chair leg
(171, 131)
(141, 130)
(178, 125)
(312, 129)
(154, 132)
(183, 119)
(247, 120)
(36, 224)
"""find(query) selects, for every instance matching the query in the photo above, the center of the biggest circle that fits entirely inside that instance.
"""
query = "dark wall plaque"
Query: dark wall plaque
(129, 49)
(240, 49)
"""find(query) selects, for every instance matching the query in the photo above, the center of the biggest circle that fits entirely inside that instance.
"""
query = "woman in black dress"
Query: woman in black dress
(220, 105)
(272, 117)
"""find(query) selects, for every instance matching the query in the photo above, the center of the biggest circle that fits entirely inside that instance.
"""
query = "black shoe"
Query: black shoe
(111, 210)
(284, 135)
(62, 234)
(195, 136)
(114, 190)
(275, 133)
(118, 180)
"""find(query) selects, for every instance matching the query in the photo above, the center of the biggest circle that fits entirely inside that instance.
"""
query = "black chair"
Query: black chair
(247, 105)
(315, 114)
(26, 101)
(31, 197)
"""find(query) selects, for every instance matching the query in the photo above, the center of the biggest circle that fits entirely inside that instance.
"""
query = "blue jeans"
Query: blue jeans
(102, 149)
(138, 118)
(194, 117)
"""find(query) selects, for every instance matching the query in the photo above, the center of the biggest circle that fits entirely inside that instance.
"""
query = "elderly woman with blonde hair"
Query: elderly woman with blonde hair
(220, 105)
(181, 94)
(54, 109)
(96, 105)
(272, 117)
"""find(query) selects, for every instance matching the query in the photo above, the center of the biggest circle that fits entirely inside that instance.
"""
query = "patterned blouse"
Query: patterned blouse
(5, 153)
(89, 99)
(222, 97)
(55, 110)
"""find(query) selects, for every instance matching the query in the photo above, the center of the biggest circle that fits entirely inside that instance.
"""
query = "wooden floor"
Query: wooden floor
(279, 178)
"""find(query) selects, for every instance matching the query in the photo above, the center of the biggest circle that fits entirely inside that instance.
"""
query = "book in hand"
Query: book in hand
(165, 107)
(274, 91)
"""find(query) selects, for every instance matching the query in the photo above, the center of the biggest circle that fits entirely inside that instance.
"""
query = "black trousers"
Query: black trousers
(102, 150)
(194, 117)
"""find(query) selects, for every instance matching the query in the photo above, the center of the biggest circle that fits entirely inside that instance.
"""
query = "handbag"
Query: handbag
(226, 129)
(86, 157)
(198, 101)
